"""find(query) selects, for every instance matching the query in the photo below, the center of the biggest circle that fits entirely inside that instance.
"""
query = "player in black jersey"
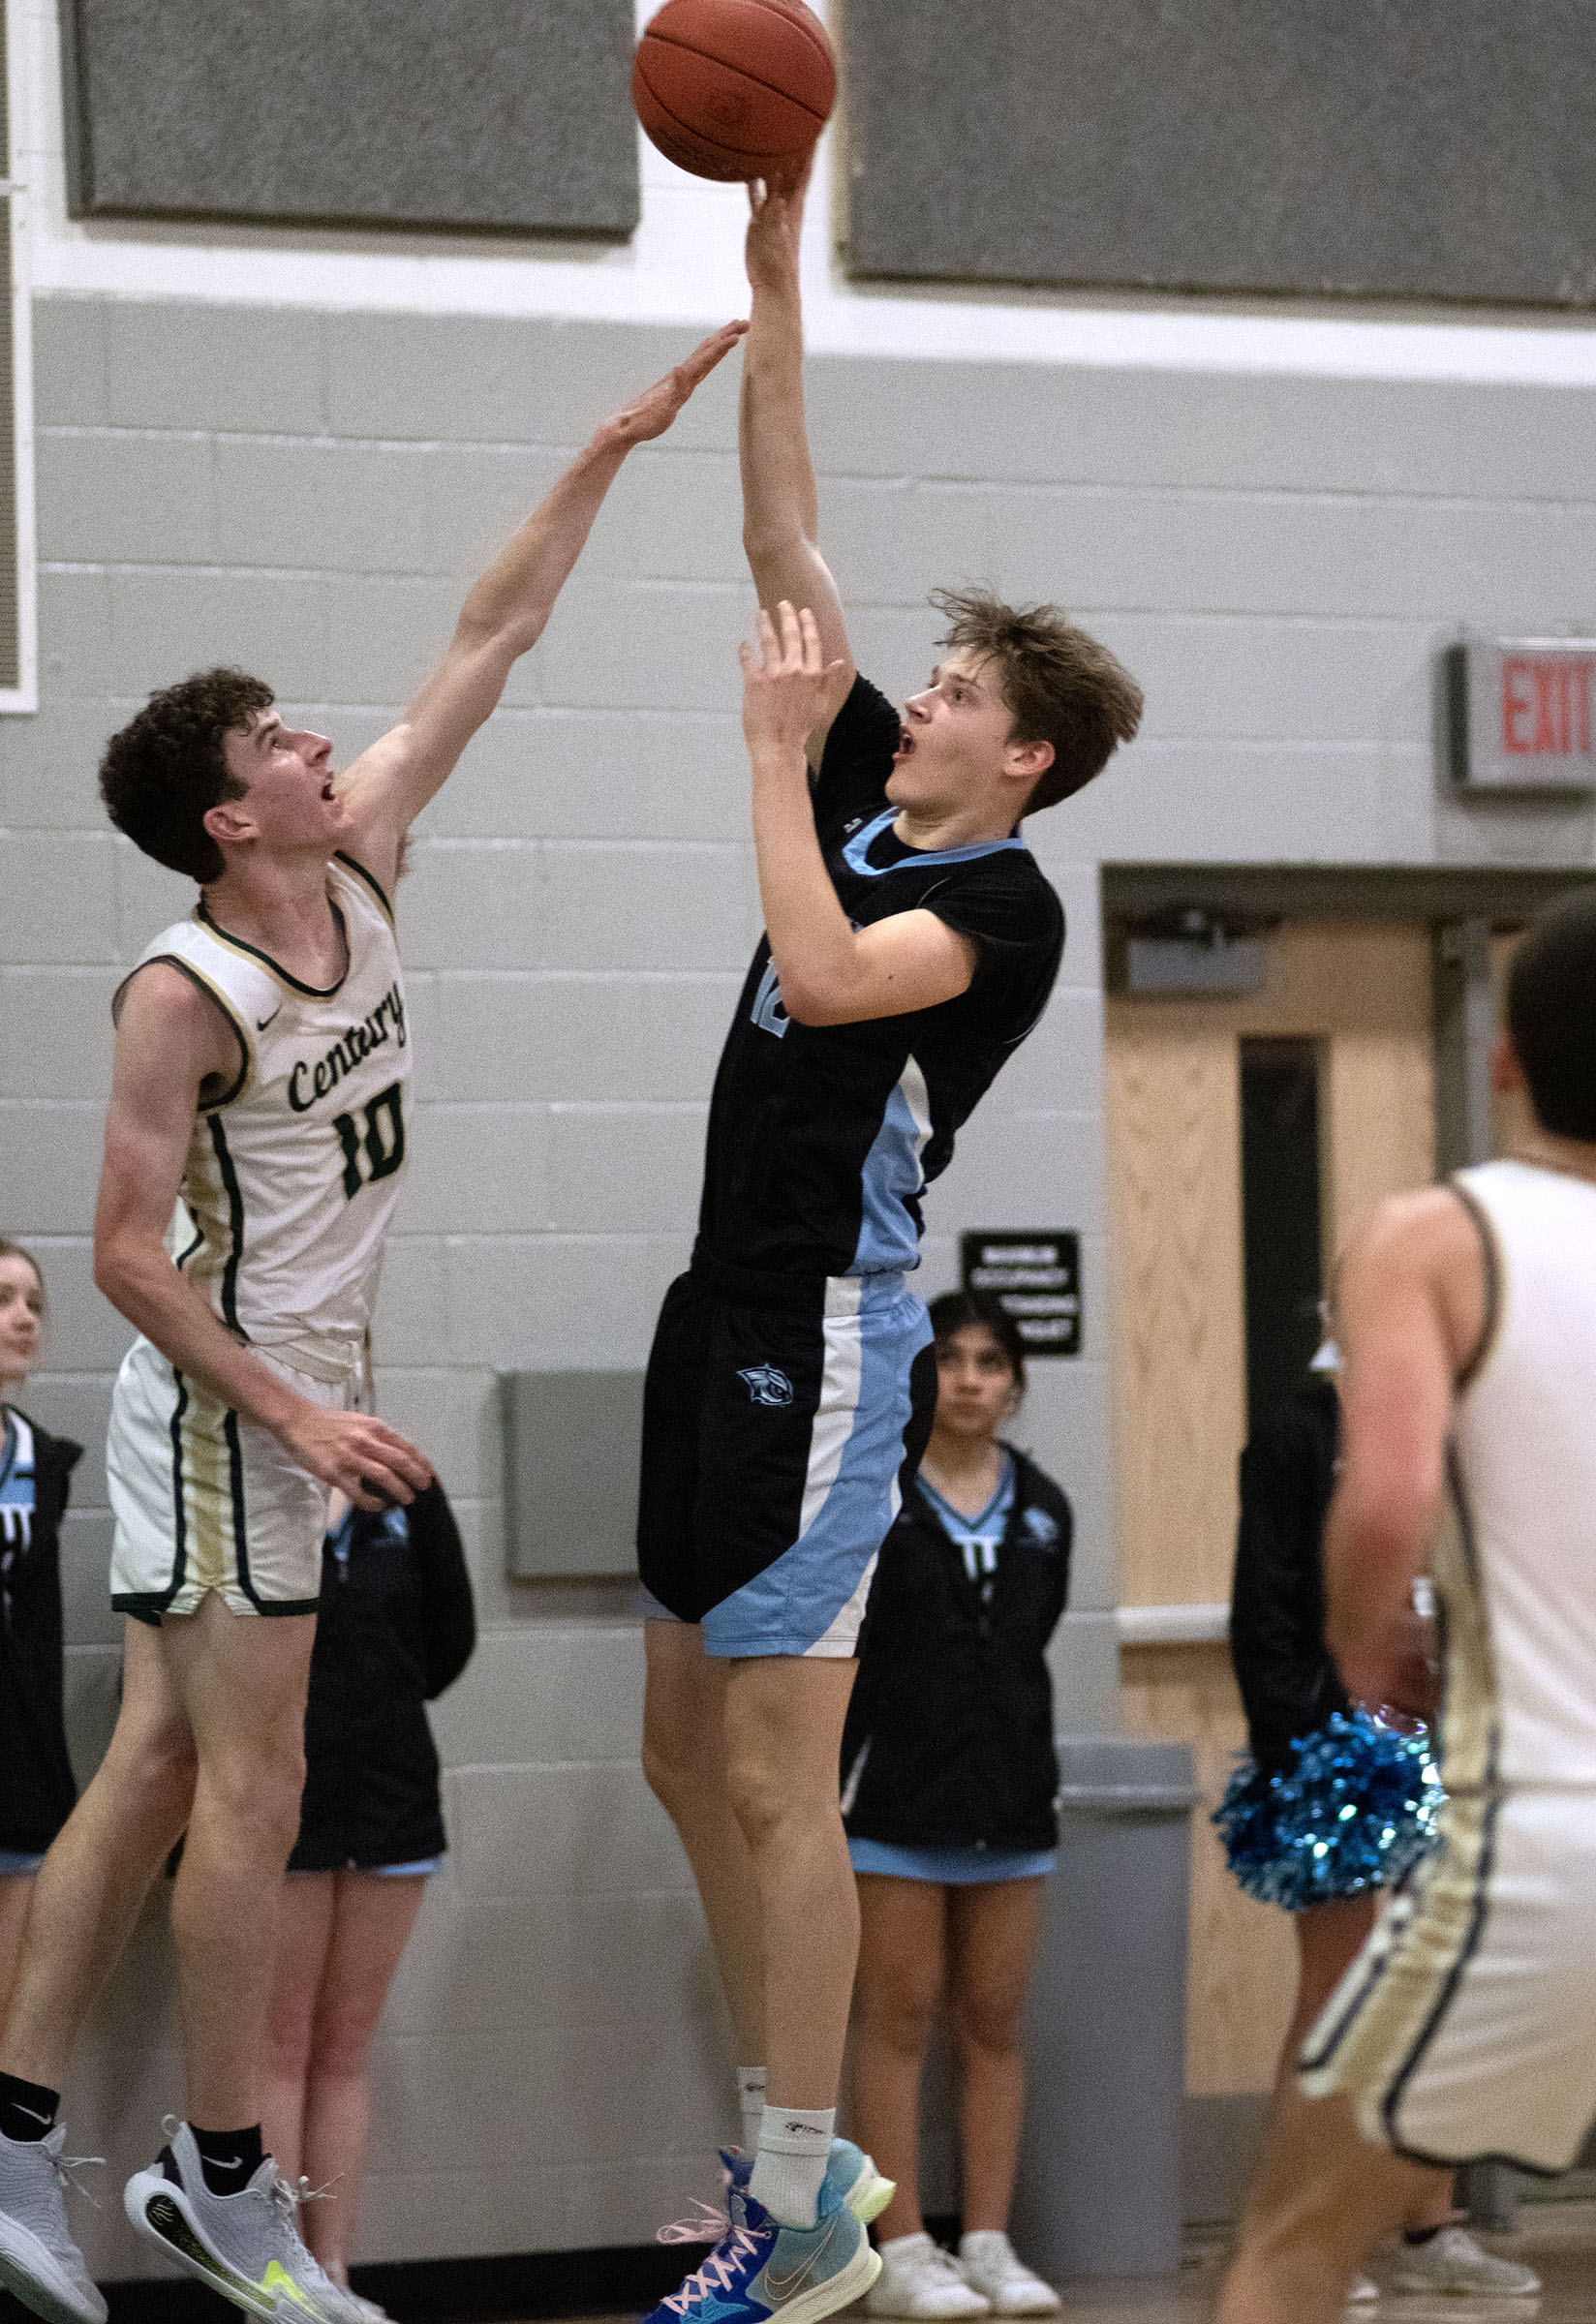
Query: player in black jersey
(911, 944)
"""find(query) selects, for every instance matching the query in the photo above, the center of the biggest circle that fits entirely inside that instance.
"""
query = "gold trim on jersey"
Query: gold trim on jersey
(372, 882)
(263, 960)
(198, 978)
(1494, 1262)
(1380, 2023)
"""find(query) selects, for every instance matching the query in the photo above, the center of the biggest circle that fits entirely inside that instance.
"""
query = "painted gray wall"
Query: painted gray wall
(1278, 560)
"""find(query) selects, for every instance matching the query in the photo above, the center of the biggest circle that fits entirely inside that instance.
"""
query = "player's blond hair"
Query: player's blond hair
(1062, 687)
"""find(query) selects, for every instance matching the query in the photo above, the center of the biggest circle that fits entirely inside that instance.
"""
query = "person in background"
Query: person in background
(37, 1791)
(1314, 1755)
(395, 1626)
(949, 1775)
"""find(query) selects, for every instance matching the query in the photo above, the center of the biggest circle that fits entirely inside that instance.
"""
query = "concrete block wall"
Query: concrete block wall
(309, 492)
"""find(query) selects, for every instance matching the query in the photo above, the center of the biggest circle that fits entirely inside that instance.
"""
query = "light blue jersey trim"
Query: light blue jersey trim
(17, 1485)
(967, 1865)
(977, 1538)
(811, 1599)
(892, 1179)
(856, 851)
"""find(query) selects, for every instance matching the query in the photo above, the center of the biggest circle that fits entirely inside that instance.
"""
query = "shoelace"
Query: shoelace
(934, 2262)
(717, 2273)
(64, 2165)
(706, 2228)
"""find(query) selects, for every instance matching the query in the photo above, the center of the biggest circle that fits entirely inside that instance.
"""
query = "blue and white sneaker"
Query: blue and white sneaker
(851, 2176)
(760, 2269)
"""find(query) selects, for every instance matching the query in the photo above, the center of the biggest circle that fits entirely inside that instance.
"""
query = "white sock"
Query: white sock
(751, 2098)
(790, 2161)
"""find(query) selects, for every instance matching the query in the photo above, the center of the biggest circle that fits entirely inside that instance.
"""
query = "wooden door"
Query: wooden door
(1362, 992)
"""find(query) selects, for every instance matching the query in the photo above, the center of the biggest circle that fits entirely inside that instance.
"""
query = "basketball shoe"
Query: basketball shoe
(851, 2176)
(246, 2246)
(761, 2270)
(39, 2262)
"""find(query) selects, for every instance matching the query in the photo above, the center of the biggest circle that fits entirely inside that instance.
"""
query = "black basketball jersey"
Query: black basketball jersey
(823, 1137)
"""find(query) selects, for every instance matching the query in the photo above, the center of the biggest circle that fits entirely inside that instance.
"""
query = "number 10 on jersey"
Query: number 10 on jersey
(376, 1140)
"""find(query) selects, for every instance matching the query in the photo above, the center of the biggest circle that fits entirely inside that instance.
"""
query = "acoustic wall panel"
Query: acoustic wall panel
(509, 116)
(1374, 148)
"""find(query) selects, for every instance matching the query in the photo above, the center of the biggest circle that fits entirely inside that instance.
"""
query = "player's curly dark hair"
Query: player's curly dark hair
(1060, 684)
(166, 767)
(1551, 1017)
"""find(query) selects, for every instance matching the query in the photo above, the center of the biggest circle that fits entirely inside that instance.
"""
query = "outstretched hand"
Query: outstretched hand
(776, 225)
(788, 687)
(653, 412)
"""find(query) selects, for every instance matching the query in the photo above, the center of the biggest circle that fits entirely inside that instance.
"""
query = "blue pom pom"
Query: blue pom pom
(1357, 1808)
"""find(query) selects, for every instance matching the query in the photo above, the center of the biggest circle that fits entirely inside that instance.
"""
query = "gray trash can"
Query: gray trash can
(1098, 2192)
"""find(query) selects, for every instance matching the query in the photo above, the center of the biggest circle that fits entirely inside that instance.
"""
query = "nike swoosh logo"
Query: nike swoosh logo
(261, 1023)
(784, 2285)
(31, 2112)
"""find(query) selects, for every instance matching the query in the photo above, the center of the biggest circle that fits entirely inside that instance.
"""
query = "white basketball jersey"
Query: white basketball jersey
(1517, 1576)
(292, 1177)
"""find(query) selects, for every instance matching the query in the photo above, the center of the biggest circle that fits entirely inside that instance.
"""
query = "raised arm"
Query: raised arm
(172, 1043)
(829, 971)
(780, 514)
(503, 615)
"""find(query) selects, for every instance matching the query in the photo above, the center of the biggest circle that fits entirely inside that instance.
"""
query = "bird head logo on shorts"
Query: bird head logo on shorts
(766, 1384)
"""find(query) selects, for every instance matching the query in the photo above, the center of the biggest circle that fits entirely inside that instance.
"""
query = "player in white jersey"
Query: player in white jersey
(260, 1063)
(1466, 2030)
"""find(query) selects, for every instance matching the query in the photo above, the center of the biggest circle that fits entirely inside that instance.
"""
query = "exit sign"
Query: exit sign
(1523, 712)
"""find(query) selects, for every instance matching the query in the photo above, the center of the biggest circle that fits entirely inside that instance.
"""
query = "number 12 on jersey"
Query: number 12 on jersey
(376, 1139)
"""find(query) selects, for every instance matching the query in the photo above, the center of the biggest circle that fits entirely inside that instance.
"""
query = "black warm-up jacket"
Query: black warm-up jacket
(395, 1626)
(1289, 1683)
(36, 1789)
(949, 1735)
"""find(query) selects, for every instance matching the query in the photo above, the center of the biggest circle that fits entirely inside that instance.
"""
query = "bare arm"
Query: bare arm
(170, 1042)
(830, 973)
(502, 618)
(1410, 1308)
(781, 512)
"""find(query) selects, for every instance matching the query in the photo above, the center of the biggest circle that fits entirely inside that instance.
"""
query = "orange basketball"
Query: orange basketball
(735, 88)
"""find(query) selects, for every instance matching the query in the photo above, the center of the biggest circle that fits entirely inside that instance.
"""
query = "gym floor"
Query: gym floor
(1558, 2239)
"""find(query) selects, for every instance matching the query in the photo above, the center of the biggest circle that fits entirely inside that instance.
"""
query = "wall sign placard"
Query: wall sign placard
(1523, 711)
(1034, 1275)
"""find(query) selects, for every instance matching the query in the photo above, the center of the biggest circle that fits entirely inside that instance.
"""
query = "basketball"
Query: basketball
(733, 88)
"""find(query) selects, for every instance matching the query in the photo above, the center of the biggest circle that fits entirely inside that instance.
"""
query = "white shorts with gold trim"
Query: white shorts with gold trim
(1466, 2030)
(206, 1500)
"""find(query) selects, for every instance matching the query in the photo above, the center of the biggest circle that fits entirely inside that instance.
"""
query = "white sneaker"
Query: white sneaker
(39, 2262)
(993, 2268)
(919, 2278)
(246, 2246)
(1361, 2289)
(1453, 2262)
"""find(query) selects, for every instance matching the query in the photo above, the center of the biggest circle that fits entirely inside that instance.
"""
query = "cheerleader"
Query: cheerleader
(1314, 1754)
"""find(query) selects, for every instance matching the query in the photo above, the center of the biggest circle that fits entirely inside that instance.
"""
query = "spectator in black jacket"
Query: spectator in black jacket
(949, 1775)
(37, 1791)
(395, 1626)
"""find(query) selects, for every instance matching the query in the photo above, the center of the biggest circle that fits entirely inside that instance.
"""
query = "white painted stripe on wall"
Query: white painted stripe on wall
(684, 265)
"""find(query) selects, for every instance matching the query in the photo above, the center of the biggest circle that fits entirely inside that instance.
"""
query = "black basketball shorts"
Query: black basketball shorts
(777, 1443)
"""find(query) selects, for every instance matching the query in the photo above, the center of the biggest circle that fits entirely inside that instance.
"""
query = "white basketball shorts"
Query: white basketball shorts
(1466, 2030)
(205, 1499)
